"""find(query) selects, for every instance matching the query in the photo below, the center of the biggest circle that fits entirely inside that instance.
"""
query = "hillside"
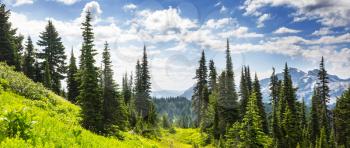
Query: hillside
(32, 116)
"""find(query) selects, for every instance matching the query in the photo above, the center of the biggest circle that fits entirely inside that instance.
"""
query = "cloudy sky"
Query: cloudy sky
(262, 33)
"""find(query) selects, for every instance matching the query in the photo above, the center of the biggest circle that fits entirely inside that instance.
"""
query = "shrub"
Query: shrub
(22, 85)
(17, 124)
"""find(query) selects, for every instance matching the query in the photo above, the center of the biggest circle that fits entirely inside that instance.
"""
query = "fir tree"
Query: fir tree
(10, 43)
(244, 92)
(53, 54)
(342, 120)
(29, 59)
(260, 104)
(89, 90)
(72, 83)
(314, 126)
(199, 97)
(228, 107)
(126, 89)
(249, 133)
(275, 128)
(47, 75)
(212, 84)
(324, 98)
(114, 111)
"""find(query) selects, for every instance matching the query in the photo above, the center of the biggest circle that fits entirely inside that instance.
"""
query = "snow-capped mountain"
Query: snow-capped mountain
(304, 81)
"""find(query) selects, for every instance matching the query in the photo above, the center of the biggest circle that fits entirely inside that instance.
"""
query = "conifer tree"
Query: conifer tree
(314, 126)
(248, 79)
(244, 92)
(199, 97)
(249, 133)
(72, 83)
(126, 89)
(29, 59)
(324, 99)
(342, 120)
(53, 54)
(114, 111)
(275, 128)
(89, 90)
(260, 104)
(47, 75)
(10, 43)
(212, 84)
(228, 108)
(143, 87)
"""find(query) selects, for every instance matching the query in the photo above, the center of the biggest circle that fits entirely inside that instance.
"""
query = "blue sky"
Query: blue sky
(262, 33)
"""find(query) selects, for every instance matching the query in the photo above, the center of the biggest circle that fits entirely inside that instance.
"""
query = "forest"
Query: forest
(224, 114)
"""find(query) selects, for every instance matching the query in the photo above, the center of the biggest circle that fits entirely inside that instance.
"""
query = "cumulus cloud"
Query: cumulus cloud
(322, 31)
(262, 19)
(94, 8)
(68, 2)
(285, 30)
(129, 7)
(18, 2)
(328, 13)
(241, 32)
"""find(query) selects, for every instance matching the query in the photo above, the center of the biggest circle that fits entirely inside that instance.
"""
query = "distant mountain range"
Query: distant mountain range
(166, 93)
(304, 81)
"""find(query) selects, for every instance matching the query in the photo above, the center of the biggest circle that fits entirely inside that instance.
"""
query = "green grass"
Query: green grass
(55, 121)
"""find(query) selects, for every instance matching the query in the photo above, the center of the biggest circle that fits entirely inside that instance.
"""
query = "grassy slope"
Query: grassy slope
(57, 122)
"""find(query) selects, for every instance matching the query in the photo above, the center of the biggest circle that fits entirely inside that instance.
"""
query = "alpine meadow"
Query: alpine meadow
(174, 74)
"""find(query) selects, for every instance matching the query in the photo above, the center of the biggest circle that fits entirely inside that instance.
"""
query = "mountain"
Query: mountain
(304, 81)
(165, 93)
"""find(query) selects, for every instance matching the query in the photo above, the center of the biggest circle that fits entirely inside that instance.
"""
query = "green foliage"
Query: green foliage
(10, 42)
(17, 124)
(53, 57)
(22, 85)
(342, 119)
(29, 59)
(72, 83)
(249, 132)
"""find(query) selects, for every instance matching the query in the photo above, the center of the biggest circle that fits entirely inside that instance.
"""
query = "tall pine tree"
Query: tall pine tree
(72, 83)
(199, 98)
(89, 90)
(342, 120)
(10, 43)
(29, 59)
(53, 54)
(260, 104)
(114, 110)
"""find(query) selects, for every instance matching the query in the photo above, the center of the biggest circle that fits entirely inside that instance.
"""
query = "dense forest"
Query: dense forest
(225, 116)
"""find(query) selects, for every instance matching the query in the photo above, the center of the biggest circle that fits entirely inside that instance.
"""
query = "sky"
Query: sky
(262, 33)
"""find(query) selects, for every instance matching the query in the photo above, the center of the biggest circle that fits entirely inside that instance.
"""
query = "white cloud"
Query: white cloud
(328, 13)
(129, 7)
(220, 23)
(322, 31)
(241, 32)
(18, 2)
(223, 9)
(285, 30)
(68, 2)
(262, 19)
(94, 8)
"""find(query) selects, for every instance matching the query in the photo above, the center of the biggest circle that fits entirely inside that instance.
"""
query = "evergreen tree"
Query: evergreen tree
(290, 122)
(53, 54)
(89, 90)
(29, 59)
(143, 87)
(324, 99)
(314, 126)
(212, 84)
(275, 128)
(114, 111)
(342, 120)
(260, 104)
(10, 43)
(228, 108)
(126, 89)
(248, 79)
(249, 133)
(47, 75)
(199, 98)
(244, 92)
(72, 83)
